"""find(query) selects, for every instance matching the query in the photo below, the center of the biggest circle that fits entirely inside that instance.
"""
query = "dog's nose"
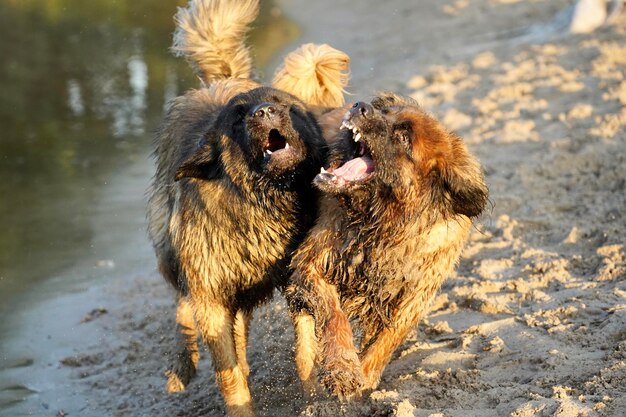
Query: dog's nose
(264, 111)
(361, 108)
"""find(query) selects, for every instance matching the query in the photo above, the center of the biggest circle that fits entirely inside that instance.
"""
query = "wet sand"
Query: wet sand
(533, 323)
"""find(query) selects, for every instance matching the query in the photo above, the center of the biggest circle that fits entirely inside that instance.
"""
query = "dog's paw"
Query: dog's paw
(180, 375)
(370, 381)
(174, 383)
(343, 378)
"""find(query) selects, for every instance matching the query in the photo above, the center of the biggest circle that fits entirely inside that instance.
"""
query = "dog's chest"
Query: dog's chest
(263, 236)
(366, 262)
(374, 271)
(232, 240)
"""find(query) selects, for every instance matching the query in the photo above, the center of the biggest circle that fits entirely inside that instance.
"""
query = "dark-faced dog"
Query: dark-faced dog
(399, 195)
(224, 232)
(232, 194)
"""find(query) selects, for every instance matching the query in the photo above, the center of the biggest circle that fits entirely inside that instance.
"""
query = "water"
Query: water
(83, 86)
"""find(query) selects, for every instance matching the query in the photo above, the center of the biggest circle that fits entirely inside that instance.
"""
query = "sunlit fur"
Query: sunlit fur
(211, 35)
(223, 220)
(317, 74)
(380, 250)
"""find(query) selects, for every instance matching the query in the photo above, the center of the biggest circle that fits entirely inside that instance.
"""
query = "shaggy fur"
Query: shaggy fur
(315, 73)
(399, 195)
(232, 194)
(211, 36)
(223, 233)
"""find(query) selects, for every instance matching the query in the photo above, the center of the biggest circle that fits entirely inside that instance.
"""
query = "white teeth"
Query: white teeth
(343, 126)
(286, 145)
(322, 170)
(356, 134)
(267, 151)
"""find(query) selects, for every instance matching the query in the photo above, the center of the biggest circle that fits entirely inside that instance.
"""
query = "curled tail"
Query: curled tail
(317, 74)
(211, 35)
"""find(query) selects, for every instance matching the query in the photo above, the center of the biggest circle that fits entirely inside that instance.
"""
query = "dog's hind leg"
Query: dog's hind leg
(216, 325)
(186, 360)
(240, 331)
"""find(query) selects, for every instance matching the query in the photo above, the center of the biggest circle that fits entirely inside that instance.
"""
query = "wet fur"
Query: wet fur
(222, 222)
(380, 251)
(224, 232)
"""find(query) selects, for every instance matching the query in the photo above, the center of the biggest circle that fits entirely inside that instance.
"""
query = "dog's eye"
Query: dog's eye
(403, 137)
(403, 132)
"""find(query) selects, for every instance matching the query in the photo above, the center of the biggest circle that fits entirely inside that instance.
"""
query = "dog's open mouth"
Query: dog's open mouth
(356, 170)
(276, 144)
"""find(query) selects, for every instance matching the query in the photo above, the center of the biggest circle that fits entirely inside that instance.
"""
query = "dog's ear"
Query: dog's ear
(204, 164)
(468, 195)
(454, 179)
(462, 183)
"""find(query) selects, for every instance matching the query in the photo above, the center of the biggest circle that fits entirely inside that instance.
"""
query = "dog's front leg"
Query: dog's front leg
(382, 345)
(340, 371)
(378, 354)
(216, 324)
(306, 348)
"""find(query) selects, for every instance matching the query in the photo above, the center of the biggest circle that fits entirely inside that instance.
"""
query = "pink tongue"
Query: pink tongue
(355, 168)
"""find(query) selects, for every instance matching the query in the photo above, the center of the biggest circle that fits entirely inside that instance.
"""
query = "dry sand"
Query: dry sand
(534, 321)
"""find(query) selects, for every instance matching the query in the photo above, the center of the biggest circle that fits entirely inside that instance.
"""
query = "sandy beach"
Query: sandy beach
(533, 322)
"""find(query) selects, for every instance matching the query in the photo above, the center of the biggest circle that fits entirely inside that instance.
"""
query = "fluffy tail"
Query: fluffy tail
(211, 35)
(317, 74)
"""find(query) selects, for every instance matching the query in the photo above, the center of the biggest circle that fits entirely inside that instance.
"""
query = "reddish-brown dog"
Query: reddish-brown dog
(399, 196)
